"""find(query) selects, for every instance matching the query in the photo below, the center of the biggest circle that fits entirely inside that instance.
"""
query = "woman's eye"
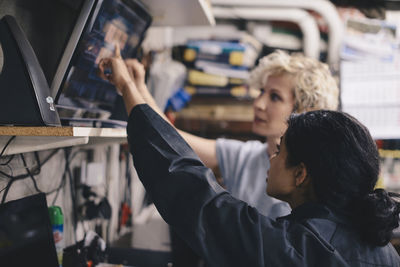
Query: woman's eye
(262, 91)
(275, 97)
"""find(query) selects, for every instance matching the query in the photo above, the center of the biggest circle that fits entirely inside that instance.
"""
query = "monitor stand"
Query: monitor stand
(24, 93)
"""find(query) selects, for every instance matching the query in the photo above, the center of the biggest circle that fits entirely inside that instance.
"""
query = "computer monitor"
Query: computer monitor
(79, 92)
(26, 237)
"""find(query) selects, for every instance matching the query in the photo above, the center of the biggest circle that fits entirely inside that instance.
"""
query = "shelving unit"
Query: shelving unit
(41, 138)
(190, 12)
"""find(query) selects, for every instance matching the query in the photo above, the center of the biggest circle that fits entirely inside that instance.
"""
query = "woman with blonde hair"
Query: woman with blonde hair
(287, 84)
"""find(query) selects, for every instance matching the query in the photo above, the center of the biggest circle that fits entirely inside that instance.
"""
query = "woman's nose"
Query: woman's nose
(261, 102)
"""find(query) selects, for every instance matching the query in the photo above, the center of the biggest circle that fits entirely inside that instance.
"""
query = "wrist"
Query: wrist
(127, 86)
(141, 87)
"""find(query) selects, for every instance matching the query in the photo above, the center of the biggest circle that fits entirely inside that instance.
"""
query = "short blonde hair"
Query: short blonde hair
(314, 86)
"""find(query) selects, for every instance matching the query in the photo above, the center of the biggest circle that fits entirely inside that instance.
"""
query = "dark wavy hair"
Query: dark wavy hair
(343, 162)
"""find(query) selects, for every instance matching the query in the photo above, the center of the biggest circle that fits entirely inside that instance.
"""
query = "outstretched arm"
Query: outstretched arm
(204, 148)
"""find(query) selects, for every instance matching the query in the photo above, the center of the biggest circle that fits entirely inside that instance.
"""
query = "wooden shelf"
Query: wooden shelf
(62, 131)
(30, 139)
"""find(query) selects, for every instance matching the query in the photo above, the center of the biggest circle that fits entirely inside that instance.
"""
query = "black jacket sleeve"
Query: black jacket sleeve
(226, 231)
(217, 226)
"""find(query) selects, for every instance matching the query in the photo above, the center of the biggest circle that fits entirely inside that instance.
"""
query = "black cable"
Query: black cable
(12, 156)
(57, 190)
(8, 161)
(72, 156)
(14, 177)
(63, 179)
(7, 188)
(3, 189)
(50, 156)
(62, 184)
(21, 176)
(39, 165)
(30, 174)
(6, 145)
(34, 171)
(11, 171)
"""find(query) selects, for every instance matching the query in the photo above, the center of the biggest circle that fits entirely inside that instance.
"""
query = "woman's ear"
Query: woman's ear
(300, 174)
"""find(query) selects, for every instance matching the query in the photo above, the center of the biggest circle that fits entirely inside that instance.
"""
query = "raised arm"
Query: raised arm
(204, 148)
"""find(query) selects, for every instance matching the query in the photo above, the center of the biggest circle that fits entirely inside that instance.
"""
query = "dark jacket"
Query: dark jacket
(226, 231)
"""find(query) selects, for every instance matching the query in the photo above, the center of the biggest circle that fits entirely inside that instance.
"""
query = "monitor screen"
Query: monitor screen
(82, 93)
(26, 237)
(1, 59)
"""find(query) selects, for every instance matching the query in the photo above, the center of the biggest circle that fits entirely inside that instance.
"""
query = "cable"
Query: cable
(34, 171)
(11, 171)
(7, 188)
(30, 174)
(3, 189)
(57, 190)
(48, 158)
(8, 161)
(4, 149)
(39, 165)
(6, 145)
(63, 179)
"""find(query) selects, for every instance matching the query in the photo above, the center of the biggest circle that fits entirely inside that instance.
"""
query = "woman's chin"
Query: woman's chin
(259, 130)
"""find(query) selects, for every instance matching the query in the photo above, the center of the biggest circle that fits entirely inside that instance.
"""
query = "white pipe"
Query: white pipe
(306, 22)
(323, 7)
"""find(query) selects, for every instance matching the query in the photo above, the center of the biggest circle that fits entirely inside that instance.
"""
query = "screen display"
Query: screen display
(84, 94)
(1, 59)
(26, 237)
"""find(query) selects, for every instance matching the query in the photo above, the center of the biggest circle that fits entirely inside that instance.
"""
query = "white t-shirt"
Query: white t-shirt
(244, 167)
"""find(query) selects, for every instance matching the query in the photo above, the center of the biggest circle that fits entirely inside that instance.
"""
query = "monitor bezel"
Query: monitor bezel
(65, 62)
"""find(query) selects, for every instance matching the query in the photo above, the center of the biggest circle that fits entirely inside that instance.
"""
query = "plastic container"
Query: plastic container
(57, 223)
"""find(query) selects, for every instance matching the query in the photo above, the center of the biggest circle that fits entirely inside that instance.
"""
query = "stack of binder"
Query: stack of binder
(219, 68)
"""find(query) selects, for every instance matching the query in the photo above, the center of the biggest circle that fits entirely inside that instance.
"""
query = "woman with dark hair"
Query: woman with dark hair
(326, 169)
(342, 162)
(287, 83)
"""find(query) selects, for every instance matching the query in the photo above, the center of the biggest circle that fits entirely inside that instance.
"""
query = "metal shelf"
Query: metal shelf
(180, 12)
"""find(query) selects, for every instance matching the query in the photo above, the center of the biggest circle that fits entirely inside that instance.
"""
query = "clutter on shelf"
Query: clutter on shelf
(220, 67)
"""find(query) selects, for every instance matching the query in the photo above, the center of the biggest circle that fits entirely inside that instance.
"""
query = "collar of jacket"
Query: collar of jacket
(312, 210)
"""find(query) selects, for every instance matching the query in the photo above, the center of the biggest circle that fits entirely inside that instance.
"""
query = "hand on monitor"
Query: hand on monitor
(115, 71)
